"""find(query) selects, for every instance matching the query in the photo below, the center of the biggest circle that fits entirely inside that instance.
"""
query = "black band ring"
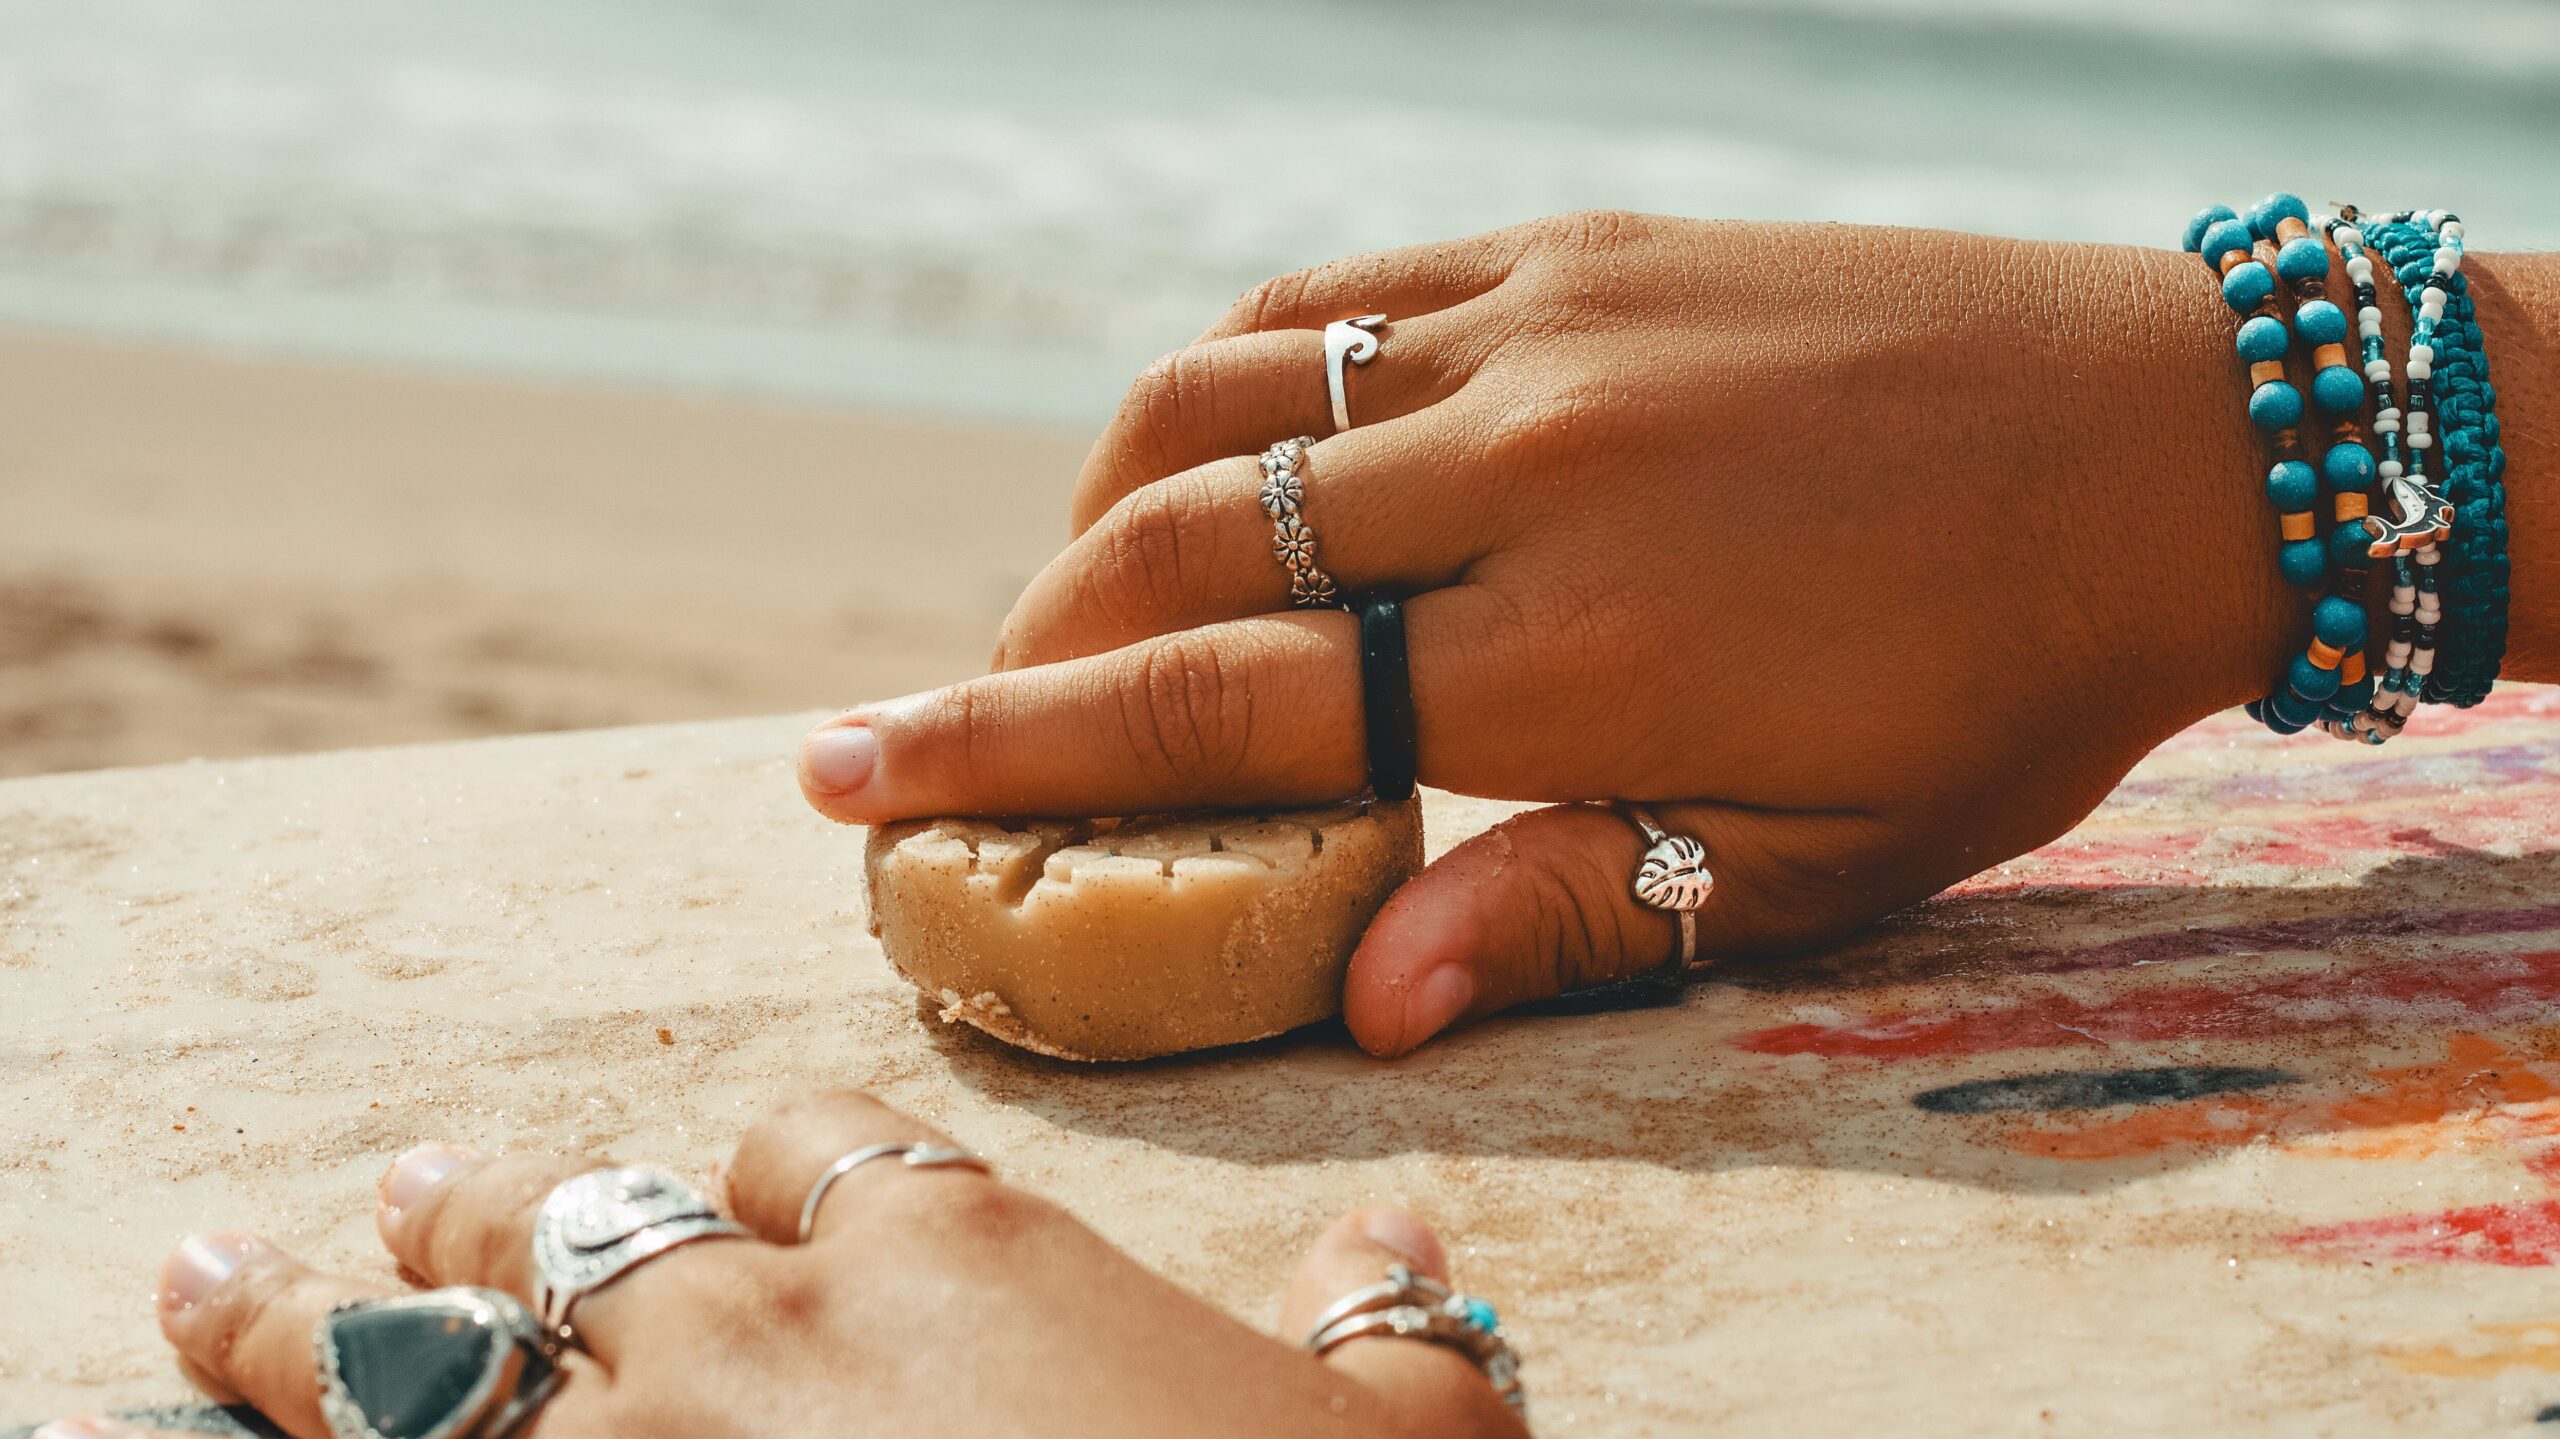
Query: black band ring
(1386, 696)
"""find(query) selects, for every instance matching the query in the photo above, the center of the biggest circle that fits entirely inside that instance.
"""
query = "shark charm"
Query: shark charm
(2423, 519)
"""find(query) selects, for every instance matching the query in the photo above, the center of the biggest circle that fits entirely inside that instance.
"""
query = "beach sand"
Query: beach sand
(208, 556)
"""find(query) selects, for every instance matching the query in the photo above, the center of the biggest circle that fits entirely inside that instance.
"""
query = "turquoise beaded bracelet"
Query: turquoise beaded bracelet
(2451, 408)
(2250, 255)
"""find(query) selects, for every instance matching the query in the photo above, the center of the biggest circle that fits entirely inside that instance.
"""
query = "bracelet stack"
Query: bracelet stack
(2275, 252)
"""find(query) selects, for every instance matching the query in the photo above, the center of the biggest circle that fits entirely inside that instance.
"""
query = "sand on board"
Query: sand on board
(2235, 1111)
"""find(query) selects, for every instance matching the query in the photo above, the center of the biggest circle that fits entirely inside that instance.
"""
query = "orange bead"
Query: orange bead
(2265, 370)
(2298, 526)
(2289, 229)
(2351, 669)
(2328, 355)
(2352, 505)
(2326, 656)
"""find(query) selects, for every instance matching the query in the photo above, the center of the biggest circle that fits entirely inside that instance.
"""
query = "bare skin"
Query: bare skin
(1872, 557)
(927, 1303)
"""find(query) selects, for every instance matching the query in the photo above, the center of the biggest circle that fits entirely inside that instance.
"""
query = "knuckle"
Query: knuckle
(480, 1228)
(1580, 930)
(963, 727)
(1154, 410)
(1539, 430)
(1152, 563)
(237, 1310)
(752, 1290)
(1596, 231)
(954, 1213)
(1269, 304)
(1182, 719)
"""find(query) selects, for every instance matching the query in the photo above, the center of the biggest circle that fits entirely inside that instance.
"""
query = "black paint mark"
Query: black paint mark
(2550, 1415)
(2098, 1088)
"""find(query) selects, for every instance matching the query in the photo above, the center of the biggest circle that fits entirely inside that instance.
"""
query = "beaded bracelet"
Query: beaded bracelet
(2248, 257)
(2410, 539)
(2346, 463)
(2449, 372)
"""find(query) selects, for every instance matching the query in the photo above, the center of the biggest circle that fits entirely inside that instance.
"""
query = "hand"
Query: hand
(1870, 557)
(929, 1302)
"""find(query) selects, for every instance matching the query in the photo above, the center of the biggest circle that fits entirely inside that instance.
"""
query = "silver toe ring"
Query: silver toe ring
(595, 1228)
(1408, 1306)
(913, 1155)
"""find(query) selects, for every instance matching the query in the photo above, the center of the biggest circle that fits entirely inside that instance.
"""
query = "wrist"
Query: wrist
(2516, 302)
(2232, 621)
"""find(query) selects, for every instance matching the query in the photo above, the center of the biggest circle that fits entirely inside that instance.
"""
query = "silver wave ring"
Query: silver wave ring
(598, 1226)
(1348, 342)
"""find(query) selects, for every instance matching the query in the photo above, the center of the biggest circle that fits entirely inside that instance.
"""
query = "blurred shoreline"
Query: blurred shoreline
(988, 207)
(205, 555)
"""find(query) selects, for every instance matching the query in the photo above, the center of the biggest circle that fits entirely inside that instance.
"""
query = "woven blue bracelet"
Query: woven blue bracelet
(2424, 248)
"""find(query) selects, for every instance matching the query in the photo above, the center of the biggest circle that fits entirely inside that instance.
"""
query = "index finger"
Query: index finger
(1254, 711)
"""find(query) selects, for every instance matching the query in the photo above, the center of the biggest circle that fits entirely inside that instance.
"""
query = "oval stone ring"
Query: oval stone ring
(459, 1363)
(1673, 878)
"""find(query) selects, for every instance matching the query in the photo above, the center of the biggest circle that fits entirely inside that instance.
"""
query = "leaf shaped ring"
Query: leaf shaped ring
(1672, 877)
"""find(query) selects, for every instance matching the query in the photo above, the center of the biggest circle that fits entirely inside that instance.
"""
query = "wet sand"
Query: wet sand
(206, 556)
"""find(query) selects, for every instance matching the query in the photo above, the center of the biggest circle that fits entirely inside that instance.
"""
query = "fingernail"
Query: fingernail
(1443, 995)
(86, 1426)
(415, 1173)
(201, 1264)
(1409, 1237)
(839, 758)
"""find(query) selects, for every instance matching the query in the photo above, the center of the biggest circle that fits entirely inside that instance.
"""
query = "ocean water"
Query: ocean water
(1003, 207)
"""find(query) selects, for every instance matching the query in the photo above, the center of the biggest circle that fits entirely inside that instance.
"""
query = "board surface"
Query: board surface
(2237, 1110)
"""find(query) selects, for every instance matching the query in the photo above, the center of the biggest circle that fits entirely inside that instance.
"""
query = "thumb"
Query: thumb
(1543, 903)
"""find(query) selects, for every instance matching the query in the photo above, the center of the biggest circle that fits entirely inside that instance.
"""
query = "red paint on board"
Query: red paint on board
(2473, 990)
(2514, 1236)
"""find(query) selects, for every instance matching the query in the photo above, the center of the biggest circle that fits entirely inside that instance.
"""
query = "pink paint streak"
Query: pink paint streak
(2515, 1236)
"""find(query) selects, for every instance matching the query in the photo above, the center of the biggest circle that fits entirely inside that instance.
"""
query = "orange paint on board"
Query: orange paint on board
(2488, 1349)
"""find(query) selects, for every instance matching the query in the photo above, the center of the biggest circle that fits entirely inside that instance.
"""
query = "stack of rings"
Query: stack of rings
(1672, 877)
(1406, 1305)
(1283, 491)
